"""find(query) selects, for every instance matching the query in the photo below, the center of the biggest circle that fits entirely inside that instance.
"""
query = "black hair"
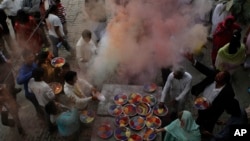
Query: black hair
(69, 76)
(37, 74)
(66, 66)
(235, 42)
(86, 33)
(53, 9)
(42, 57)
(22, 16)
(51, 108)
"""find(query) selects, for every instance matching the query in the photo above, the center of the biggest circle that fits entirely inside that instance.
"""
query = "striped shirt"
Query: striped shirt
(61, 13)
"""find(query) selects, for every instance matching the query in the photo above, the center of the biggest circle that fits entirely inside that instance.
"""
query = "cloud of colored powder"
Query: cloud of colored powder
(144, 36)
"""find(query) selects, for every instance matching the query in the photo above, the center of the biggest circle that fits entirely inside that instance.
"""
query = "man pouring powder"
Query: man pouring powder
(177, 87)
(77, 97)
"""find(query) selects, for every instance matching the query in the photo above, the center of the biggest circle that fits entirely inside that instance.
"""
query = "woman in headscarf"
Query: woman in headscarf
(219, 14)
(223, 34)
(182, 129)
(232, 55)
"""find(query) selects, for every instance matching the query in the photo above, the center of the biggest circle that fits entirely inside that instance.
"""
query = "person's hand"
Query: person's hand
(220, 122)
(93, 90)
(94, 97)
(94, 94)
(206, 133)
(61, 39)
(157, 130)
(173, 102)
(8, 61)
(190, 57)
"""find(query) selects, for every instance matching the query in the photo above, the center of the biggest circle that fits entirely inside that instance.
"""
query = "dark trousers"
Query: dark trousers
(55, 42)
(33, 100)
(207, 119)
(3, 18)
(13, 20)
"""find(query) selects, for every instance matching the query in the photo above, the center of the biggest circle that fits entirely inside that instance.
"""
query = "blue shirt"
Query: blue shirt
(24, 75)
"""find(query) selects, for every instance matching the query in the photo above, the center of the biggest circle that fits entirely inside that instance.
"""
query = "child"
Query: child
(85, 50)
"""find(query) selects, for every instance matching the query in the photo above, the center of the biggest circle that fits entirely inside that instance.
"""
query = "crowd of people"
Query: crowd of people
(36, 30)
(32, 23)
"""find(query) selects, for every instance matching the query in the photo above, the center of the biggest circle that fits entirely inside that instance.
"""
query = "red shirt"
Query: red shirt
(23, 33)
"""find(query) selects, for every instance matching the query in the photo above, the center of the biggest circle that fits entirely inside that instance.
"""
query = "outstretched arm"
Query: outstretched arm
(199, 66)
(166, 87)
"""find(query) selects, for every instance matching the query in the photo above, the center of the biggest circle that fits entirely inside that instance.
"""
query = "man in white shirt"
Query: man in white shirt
(41, 89)
(75, 93)
(85, 50)
(176, 88)
(44, 94)
(56, 33)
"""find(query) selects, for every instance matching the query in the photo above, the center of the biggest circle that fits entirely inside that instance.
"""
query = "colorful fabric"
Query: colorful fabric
(190, 131)
(222, 36)
(61, 13)
(226, 61)
(23, 33)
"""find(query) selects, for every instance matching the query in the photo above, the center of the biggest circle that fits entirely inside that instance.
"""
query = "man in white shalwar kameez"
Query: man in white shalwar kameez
(85, 51)
(176, 89)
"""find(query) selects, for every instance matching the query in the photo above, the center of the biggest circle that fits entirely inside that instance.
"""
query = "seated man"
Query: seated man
(74, 92)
